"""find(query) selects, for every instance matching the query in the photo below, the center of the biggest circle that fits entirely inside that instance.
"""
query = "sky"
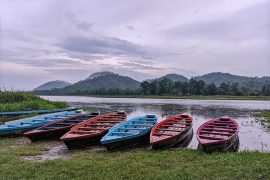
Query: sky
(69, 40)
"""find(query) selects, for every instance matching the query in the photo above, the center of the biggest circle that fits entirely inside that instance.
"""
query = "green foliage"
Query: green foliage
(266, 115)
(194, 87)
(266, 90)
(16, 96)
(24, 101)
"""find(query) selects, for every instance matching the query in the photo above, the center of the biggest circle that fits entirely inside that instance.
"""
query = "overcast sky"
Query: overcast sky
(49, 40)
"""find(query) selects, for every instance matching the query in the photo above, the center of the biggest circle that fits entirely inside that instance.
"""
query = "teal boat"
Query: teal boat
(17, 113)
(129, 133)
(22, 125)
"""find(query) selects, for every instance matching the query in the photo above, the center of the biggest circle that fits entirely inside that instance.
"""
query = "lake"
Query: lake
(254, 134)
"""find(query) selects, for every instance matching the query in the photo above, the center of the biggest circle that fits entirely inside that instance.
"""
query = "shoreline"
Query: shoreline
(216, 97)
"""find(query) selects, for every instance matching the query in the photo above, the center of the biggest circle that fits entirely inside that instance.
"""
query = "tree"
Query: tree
(235, 89)
(153, 88)
(224, 89)
(200, 87)
(176, 90)
(266, 90)
(211, 89)
(185, 89)
(193, 87)
(165, 86)
(145, 87)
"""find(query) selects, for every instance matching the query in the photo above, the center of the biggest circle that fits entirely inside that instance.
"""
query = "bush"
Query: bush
(24, 101)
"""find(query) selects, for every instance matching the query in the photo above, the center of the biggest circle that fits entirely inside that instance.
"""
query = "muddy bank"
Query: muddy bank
(53, 150)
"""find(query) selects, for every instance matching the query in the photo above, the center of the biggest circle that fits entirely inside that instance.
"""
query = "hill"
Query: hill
(174, 77)
(52, 85)
(104, 80)
(218, 78)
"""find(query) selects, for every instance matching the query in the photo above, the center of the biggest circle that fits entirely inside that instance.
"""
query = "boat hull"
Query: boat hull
(47, 135)
(180, 140)
(185, 142)
(128, 143)
(82, 142)
(230, 145)
(14, 133)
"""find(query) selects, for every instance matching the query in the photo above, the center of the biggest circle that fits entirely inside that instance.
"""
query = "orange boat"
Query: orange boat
(172, 132)
(90, 132)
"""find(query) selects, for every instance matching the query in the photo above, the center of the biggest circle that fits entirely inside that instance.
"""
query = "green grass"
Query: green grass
(216, 97)
(266, 119)
(23, 101)
(135, 164)
(266, 115)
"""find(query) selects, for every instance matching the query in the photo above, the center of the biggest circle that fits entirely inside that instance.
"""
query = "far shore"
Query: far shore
(216, 97)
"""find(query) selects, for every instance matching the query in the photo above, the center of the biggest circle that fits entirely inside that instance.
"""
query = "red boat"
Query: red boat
(90, 132)
(174, 131)
(219, 134)
(56, 129)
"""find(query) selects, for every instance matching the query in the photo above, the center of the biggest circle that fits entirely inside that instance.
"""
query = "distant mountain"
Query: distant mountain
(173, 77)
(104, 80)
(108, 80)
(218, 78)
(52, 85)
(99, 74)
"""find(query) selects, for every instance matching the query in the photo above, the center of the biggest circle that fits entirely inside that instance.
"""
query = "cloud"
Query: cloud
(130, 27)
(138, 65)
(245, 24)
(83, 26)
(102, 45)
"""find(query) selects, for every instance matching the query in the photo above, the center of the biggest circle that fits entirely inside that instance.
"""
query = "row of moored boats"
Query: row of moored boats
(79, 130)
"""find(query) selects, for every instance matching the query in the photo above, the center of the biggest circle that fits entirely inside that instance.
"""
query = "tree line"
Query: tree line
(168, 87)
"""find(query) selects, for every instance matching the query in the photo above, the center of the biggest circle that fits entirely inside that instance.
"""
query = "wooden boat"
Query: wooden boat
(219, 134)
(91, 131)
(17, 113)
(129, 133)
(171, 132)
(56, 129)
(22, 125)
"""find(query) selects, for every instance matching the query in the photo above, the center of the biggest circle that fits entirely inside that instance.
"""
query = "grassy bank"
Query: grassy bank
(136, 164)
(217, 97)
(266, 119)
(22, 101)
(266, 115)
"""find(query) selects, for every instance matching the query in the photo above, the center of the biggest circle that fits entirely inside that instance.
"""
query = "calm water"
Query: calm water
(253, 134)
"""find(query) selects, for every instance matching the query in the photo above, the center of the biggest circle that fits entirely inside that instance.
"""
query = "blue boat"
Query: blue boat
(17, 113)
(129, 133)
(22, 125)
